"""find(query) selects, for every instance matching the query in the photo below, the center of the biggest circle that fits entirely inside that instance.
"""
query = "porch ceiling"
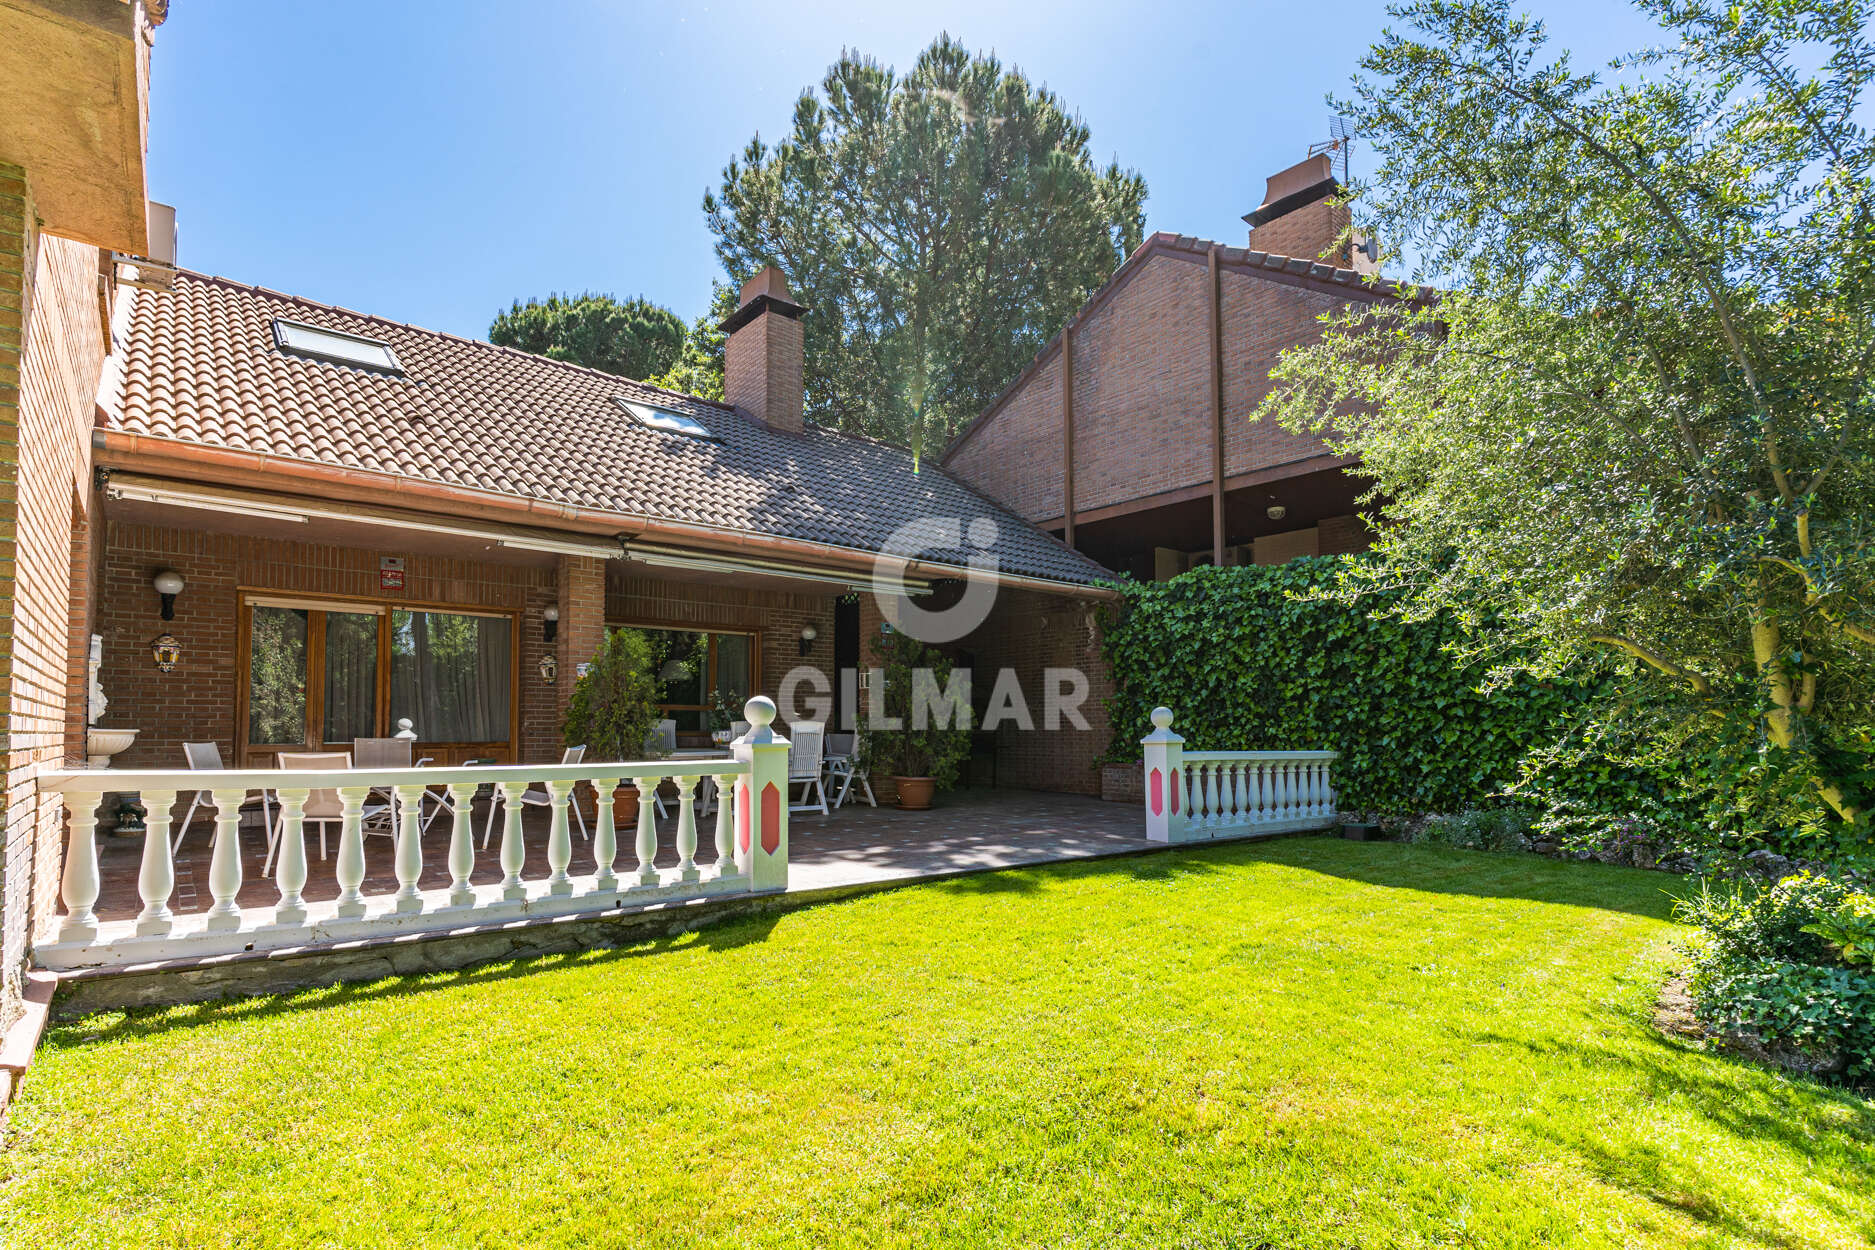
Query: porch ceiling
(150, 501)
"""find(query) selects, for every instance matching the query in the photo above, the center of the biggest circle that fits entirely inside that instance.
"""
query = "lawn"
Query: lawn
(1304, 1043)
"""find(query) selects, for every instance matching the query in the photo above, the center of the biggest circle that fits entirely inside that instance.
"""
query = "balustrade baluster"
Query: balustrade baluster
(80, 883)
(560, 836)
(513, 846)
(289, 871)
(686, 829)
(156, 875)
(409, 857)
(1240, 805)
(647, 848)
(726, 824)
(461, 843)
(1261, 808)
(350, 868)
(1210, 793)
(605, 838)
(1316, 788)
(224, 865)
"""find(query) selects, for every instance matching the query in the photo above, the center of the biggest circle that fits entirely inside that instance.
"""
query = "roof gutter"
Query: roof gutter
(261, 470)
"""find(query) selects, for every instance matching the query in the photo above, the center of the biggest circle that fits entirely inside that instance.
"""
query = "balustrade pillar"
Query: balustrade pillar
(725, 823)
(687, 829)
(224, 865)
(605, 836)
(461, 844)
(409, 860)
(762, 819)
(156, 875)
(350, 868)
(79, 883)
(290, 869)
(1167, 817)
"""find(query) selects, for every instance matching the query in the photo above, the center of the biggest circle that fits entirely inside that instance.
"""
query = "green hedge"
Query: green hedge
(1246, 664)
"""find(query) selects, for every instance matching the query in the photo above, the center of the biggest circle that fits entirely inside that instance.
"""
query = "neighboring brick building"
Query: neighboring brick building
(73, 81)
(1146, 460)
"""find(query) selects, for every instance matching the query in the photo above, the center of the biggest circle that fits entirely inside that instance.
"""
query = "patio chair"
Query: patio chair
(531, 797)
(204, 756)
(386, 753)
(843, 769)
(323, 807)
(806, 739)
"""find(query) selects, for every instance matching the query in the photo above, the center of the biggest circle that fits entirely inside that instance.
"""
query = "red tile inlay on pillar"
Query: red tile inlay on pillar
(1158, 792)
(771, 818)
(742, 815)
(1175, 789)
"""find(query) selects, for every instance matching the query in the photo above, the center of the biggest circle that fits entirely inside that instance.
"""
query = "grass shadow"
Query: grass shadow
(729, 934)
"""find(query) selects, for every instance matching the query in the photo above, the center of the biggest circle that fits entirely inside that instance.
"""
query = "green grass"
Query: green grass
(1297, 1044)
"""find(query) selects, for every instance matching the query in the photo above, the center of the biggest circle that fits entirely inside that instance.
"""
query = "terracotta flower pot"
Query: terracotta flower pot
(624, 806)
(914, 793)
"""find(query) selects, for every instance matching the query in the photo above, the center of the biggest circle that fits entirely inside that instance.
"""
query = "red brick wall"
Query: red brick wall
(1016, 457)
(1030, 632)
(1142, 416)
(52, 346)
(1142, 399)
(196, 702)
(1343, 535)
(1307, 232)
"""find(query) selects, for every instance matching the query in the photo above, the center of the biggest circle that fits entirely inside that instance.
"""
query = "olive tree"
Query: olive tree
(1629, 411)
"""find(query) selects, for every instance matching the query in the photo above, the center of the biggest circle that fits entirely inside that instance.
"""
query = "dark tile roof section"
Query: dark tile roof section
(1292, 269)
(200, 365)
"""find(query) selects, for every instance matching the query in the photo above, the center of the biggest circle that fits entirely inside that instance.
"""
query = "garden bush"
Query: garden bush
(1479, 829)
(1783, 968)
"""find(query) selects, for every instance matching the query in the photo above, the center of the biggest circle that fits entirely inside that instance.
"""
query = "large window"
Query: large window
(322, 675)
(700, 668)
(449, 674)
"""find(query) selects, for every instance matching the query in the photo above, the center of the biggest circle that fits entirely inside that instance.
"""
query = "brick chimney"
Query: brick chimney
(762, 359)
(1296, 217)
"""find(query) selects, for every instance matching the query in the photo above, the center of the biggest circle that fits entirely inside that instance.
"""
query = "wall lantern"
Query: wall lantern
(550, 623)
(549, 668)
(168, 584)
(808, 634)
(165, 650)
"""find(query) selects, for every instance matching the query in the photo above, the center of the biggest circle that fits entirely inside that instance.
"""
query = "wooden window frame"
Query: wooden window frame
(753, 634)
(249, 597)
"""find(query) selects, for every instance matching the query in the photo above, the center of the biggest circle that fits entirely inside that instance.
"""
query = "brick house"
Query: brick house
(252, 520)
(1144, 458)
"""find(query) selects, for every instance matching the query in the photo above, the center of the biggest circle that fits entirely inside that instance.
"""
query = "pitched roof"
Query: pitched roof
(200, 365)
(1295, 270)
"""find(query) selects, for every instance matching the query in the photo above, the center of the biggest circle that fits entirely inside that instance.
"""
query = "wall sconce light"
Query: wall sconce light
(168, 584)
(550, 623)
(808, 634)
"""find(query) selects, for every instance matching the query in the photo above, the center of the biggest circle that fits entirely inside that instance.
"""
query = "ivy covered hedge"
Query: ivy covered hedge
(1245, 664)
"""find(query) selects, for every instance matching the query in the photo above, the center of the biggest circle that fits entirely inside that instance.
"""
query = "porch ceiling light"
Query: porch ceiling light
(168, 584)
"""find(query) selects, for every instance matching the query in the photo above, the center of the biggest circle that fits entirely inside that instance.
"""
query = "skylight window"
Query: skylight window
(664, 419)
(345, 349)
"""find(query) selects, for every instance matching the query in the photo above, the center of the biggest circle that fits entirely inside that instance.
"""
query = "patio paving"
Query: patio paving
(969, 830)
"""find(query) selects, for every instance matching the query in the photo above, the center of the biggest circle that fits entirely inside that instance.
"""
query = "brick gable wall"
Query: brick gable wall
(52, 346)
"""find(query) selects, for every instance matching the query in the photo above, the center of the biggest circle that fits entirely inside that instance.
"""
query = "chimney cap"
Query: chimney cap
(1302, 183)
(766, 290)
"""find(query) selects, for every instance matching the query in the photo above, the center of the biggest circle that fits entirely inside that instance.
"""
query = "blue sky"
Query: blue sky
(430, 162)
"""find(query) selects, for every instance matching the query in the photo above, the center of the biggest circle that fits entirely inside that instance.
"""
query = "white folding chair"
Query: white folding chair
(531, 797)
(323, 807)
(805, 742)
(843, 769)
(202, 756)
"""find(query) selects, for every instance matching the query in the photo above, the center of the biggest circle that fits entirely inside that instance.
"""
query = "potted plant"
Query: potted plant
(920, 755)
(614, 708)
(725, 711)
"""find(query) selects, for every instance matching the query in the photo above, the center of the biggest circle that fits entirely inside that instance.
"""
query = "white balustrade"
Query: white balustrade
(1193, 795)
(327, 900)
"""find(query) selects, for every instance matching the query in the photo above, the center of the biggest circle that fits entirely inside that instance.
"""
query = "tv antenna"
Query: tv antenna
(1341, 140)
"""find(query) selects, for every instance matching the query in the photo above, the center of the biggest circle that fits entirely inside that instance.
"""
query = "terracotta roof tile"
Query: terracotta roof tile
(200, 365)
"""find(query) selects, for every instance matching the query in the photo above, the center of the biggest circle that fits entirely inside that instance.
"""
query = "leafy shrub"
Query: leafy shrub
(1850, 928)
(1826, 1014)
(1768, 965)
(1479, 829)
(1766, 925)
(920, 746)
(614, 707)
(1254, 658)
